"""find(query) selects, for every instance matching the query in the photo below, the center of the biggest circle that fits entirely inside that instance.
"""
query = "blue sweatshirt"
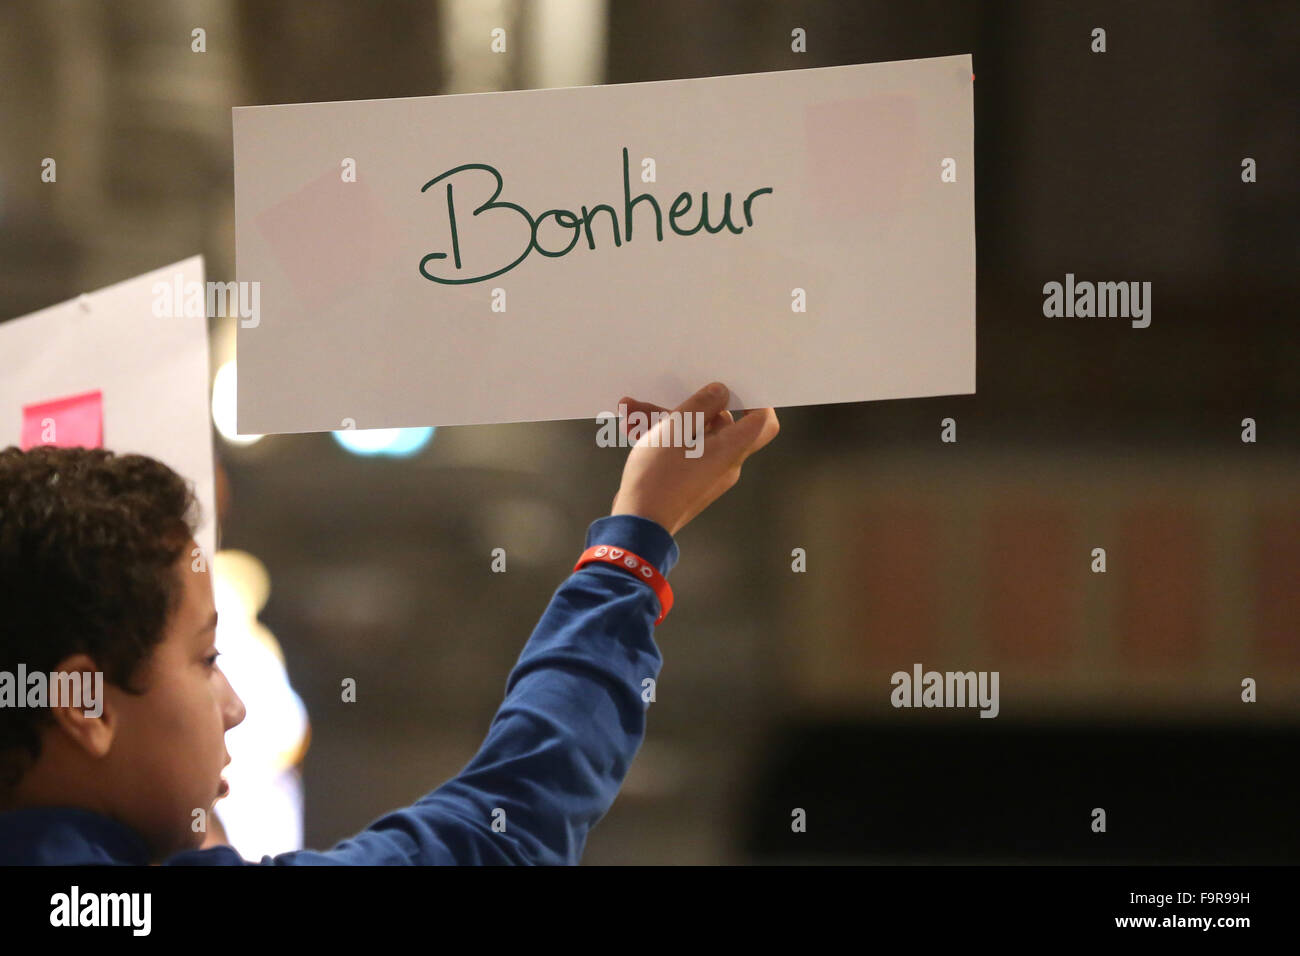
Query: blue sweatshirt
(555, 755)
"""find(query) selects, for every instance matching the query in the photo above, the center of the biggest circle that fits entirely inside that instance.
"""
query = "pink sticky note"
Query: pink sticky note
(65, 422)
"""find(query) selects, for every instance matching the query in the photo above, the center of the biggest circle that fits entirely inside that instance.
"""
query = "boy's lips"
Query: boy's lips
(223, 789)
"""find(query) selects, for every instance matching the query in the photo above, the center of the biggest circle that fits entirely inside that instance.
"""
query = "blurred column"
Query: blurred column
(566, 43)
(142, 126)
(471, 64)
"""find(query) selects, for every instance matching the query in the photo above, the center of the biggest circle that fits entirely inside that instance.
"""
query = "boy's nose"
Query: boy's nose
(234, 711)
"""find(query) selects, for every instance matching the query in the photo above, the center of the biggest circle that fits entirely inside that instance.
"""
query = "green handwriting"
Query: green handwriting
(579, 224)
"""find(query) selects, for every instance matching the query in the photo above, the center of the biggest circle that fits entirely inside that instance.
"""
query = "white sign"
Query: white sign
(150, 374)
(804, 236)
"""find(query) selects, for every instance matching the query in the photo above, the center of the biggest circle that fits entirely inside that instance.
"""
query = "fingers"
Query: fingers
(760, 425)
(670, 492)
(720, 420)
(699, 402)
(742, 439)
(707, 400)
(633, 405)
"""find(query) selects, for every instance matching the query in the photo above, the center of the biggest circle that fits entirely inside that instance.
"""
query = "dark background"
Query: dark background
(1118, 691)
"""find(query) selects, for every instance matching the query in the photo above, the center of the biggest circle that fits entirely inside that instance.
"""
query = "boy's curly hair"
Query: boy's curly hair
(88, 546)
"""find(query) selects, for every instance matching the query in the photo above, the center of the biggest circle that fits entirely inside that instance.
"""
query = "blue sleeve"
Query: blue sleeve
(560, 744)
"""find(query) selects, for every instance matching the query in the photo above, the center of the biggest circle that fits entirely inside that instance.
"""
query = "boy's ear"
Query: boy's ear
(89, 723)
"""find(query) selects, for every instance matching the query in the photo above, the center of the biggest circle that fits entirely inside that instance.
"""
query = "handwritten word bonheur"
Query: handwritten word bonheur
(567, 219)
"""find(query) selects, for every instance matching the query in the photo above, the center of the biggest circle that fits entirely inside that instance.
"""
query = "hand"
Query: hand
(663, 484)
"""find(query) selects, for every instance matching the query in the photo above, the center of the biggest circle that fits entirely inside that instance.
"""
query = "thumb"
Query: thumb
(710, 400)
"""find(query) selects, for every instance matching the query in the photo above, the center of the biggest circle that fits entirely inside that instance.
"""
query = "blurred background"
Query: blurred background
(1119, 690)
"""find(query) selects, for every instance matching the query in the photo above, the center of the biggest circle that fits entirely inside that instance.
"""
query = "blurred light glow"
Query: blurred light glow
(393, 442)
(223, 406)
(242, 582)
(264, 816)
(263, 812)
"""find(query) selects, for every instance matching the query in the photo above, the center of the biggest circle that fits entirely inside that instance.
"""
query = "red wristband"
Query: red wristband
(636, 566)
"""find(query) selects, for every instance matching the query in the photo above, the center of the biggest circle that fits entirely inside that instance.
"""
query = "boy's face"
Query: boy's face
(169, 745)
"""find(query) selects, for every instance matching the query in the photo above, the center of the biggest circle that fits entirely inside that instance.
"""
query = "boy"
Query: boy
(97, 575)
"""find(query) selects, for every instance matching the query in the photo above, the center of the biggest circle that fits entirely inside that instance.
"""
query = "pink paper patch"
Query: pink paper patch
(324, 237)
(849, 176)
(75, 421)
